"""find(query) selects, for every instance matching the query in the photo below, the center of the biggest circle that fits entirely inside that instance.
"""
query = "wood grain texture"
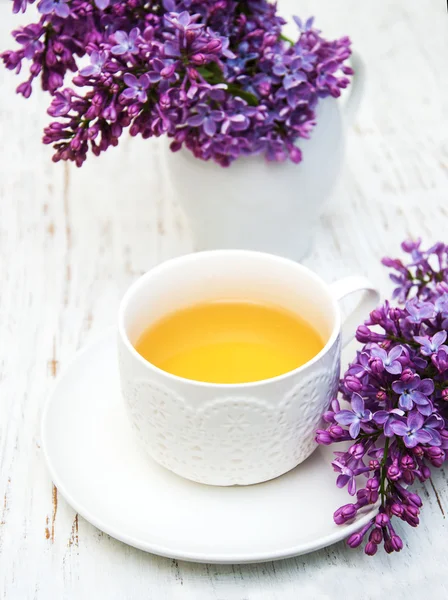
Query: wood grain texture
(72, 240)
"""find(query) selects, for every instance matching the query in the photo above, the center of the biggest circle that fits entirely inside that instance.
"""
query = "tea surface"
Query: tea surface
(229, 342)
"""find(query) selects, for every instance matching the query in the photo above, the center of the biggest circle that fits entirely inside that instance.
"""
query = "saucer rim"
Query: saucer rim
(165, 551)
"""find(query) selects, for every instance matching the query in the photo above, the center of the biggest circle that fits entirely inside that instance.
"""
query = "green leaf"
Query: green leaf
(213, 75)
(235, 90)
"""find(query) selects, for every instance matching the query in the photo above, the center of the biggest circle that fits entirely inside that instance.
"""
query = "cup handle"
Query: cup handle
(350, 285)
(356, 89)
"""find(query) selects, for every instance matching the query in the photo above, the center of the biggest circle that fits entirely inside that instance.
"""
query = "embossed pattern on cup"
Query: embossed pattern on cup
(233, 438)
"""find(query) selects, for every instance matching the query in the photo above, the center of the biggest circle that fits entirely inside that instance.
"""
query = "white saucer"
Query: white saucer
(98, 467)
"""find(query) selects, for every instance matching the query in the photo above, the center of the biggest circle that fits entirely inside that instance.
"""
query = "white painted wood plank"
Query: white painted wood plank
(72, 240)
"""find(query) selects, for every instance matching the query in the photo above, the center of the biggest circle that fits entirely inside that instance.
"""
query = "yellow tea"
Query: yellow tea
(229, 342)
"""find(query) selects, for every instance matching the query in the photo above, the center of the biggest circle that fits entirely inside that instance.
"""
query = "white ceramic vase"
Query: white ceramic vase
(266, 206)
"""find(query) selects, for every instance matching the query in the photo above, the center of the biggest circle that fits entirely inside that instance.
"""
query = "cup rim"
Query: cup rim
(188, 258)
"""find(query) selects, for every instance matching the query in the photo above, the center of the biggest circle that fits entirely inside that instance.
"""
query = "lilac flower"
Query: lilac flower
(172, 49)
(416, 392)
(389, 361)
(419, 275)
(304, 25)
(61, 104)
(349, 469)
(323, 437)
(413, 248)
(386, 418)
(326, 80)
(126, 43)
(345, 514)
(431, 345)
(225, 50)
(440, 359)
(238, 117)
(58, 7)
(440, 305)
(197, 54)
(346, 477)
(290, 70)
(406, 434)
(335, 407)
(394, 473)
(162, 69)
(355, 417)
(356, 539)
(293, 76)
(30, 38)
(361, 366)
(182, 21)
(418, 311)
(97, 62)
(412, 430)
(432, 426)
(19, 6)
(352, 383)
(403, 282)
(137, 87)
(207, 118)
(436, 456)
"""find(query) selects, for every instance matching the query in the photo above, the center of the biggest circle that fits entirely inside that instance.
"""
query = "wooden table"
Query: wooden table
(71, 241)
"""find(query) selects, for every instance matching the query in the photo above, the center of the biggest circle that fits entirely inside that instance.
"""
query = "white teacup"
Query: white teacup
(227, 434)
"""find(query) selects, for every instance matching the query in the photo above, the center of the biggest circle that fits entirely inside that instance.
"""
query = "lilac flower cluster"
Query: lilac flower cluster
(216, 76)
(397, 395)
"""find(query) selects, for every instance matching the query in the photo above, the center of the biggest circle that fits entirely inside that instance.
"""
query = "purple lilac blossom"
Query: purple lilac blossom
(20, 6)
(412, 430)
(59, 7)
(263, 90)
(432, 345)
(397, 395)
(137, 87)
(354, 417)
(126, 43)
(388, 361)
(414, 391)
(97, 61)
(386, 418)
(419, 310)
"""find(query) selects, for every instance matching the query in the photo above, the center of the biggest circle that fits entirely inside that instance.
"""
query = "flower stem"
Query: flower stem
(383, 471)
(286, 39)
